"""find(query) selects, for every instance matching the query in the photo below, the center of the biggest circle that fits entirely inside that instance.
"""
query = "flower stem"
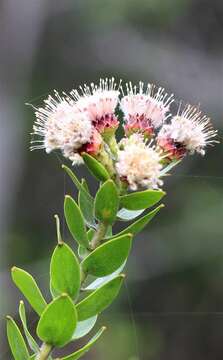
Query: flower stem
(44, 351)
(99, 235)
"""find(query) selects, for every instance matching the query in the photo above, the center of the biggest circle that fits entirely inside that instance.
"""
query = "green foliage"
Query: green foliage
(106, 202)
(65, 271)
(139, 224)
(58, 322)
(95, 167)
(107, 257)
(16, 341)
(103, 256)
(81, 187)
(141, 199)
(75, 221)
(84, 327)
(100, 299)
(82, 252)
(28, 286)
(86, 207)
(79, 353)
(32, 343)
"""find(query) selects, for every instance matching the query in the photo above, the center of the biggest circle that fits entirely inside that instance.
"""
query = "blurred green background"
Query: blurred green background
(171, 307)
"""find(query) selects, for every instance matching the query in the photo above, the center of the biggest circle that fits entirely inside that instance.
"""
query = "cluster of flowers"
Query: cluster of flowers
(86, 120)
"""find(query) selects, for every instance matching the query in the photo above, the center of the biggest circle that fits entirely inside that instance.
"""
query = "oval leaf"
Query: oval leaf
(95, 167)
(79, 353)
(16, 341)
(58, 322)
(32, 343)
(28, 286)
(75, 221)
(141, 200)
(107, 258)
(106, 202)
(84, 327)
(53, 291)
(65, 271)
(100, 299)
(139, 224)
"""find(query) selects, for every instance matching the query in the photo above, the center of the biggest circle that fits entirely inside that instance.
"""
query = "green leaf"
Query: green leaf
(128, 215)
(77, 182)
(82, 252)
(16, 341)
(65, 271)
(141, 200)
(53, 291)
(103, 280)
(75, 221)
(32, 343)
(107, 257)
(95, 167)
(90, 234)
(87, 208)
(139, 224)
(28, 286)
(79, 353)
(84, 327)
(58, 322)
(100, 299)
(106, 202)
(85, 194)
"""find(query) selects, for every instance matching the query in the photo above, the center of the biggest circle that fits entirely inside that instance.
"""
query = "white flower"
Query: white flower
(138, 163)
(99, 102)
(190, 130)
(145, 109)
(62, 126)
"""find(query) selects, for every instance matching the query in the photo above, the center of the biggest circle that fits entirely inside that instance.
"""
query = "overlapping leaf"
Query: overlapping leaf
(141, 199)
(58, 322)
(28, 286)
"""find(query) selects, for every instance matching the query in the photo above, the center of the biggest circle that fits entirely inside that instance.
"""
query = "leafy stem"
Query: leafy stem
(99, 235)
(44, 351)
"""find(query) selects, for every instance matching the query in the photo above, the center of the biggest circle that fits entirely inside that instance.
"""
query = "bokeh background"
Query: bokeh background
(172, 304)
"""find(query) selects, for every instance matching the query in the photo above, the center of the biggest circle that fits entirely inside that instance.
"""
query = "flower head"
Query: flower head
(99, 102)
(146, 110)
(138, 164)
(188, 132)
(62, 126)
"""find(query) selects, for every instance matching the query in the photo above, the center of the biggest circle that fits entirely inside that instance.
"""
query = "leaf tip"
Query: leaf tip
(21, 302)
(64, 295)
(162, 206)
(8, 318)
(122, 276)
(13, 269)
(68, 197)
